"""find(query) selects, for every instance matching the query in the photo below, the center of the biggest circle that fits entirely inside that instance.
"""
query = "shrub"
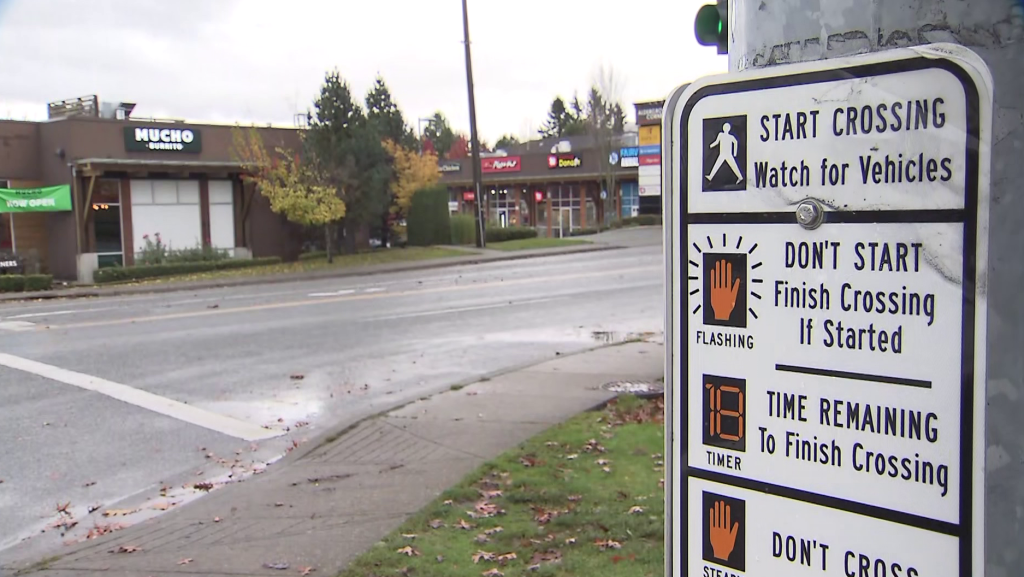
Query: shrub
(428, 220)
(120, 274)
(313, 255)
(463, 229)
(583, 231)
(642, 220)
(12, 283)
(498, 234)
(38, 282)
(154, 251)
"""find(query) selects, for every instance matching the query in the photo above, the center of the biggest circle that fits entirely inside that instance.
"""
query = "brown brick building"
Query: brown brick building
(130, 178)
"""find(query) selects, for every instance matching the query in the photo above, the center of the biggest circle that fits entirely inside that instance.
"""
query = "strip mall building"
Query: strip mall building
(129, 179)
(555, 184)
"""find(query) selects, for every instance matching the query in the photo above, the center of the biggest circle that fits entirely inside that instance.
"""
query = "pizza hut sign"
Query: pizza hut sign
(501, 164)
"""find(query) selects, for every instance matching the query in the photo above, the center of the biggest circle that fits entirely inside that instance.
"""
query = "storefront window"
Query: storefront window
(501, 209)
(6, 233)
(106, 222)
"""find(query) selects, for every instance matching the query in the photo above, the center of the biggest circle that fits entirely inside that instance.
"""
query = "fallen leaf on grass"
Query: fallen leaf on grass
(505, 558)
(571, 457)
(440, 558)
(408, 550)
(278, 566)
(494, 530)
(656, 456)
(635, 509)
(185, 561)
(551, 444)
(549, 556)
(409, 535)
(493, 573)
(661, 483)
(126, 549)
(448, 502)
(118, 512)
(575, 498)
(436, 524)
(527, 461)
(481, 538)
(490, 494)
(606, 469)
(464, 525)
(570, 541)
(605, 544)
(602, 462)
(482, 556)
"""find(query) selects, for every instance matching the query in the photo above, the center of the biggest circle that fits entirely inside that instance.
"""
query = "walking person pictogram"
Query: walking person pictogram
(728, 147)
(724, 154)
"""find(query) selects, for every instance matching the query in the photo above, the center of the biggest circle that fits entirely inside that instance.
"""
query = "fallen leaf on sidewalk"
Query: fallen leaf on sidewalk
(204, 486)
(185, 561)
(62, 509)
(89, 484)
(297, 377)
(306, 570)
(118, 512)
(408, 550)
(93, 508)
(216, 519)
(126, 549)
(163, 506)
(213, 307)
(278, 566)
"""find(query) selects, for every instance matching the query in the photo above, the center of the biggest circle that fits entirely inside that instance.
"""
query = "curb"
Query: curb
(280, 279)
(340, 430)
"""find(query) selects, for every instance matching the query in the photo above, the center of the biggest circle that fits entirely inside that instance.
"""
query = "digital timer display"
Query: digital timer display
(724, 412)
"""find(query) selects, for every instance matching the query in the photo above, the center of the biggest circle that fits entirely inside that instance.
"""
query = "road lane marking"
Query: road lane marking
(462, 309)
(143, 399)
(17, 326)
(333, 294)
(378, 289)
(57, 313)
(355, 297)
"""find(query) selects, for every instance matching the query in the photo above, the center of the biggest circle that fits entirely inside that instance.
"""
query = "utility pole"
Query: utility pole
(788, 31)
(481, 241)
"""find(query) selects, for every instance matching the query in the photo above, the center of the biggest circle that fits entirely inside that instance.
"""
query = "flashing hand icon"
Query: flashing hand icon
(723, 297)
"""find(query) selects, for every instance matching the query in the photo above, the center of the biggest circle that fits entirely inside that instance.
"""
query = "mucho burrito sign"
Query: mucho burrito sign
(157, 138)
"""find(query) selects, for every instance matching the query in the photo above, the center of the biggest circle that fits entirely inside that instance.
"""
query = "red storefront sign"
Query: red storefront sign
(468, 196)
(501, 164)
(650, 160)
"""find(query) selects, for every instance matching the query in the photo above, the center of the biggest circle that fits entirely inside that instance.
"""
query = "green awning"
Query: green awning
(45, 199)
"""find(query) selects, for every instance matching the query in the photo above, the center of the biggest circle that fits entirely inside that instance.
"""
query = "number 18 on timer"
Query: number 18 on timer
(724, 404)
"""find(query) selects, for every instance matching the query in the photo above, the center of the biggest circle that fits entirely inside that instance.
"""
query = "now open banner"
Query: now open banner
(44, 199)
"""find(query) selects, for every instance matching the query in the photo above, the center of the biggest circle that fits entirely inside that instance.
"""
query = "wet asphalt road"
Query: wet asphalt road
(359, 344)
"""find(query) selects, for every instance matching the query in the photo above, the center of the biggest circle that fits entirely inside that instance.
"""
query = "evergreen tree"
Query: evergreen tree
(440, 134)
(382, 111)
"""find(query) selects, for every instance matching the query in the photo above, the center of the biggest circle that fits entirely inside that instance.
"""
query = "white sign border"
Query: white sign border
(977, 82)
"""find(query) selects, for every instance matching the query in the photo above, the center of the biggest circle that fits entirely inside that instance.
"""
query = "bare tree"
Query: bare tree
(606, 122)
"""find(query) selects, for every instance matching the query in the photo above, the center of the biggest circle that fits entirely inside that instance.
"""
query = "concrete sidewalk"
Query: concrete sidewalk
(324, 507)
(476, 256)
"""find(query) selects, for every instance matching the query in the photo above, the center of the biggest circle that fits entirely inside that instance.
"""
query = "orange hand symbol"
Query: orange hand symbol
(722, 538)
(723, 298)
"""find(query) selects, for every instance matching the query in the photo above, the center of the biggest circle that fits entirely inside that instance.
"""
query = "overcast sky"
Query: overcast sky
(264, 60)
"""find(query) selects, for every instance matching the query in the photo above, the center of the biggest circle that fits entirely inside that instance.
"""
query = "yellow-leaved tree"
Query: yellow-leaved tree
(412, 172)
(293, 188)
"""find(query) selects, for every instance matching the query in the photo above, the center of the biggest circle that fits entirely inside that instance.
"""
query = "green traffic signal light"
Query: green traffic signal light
(711, 26)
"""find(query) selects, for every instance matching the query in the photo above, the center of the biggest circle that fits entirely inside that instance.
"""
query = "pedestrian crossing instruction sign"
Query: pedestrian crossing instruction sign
(826, 249)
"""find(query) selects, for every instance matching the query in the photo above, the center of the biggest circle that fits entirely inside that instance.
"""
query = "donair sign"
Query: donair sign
(148, 139)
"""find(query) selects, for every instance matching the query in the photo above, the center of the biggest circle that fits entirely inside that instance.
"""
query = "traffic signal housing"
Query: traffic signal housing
(711, 26)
